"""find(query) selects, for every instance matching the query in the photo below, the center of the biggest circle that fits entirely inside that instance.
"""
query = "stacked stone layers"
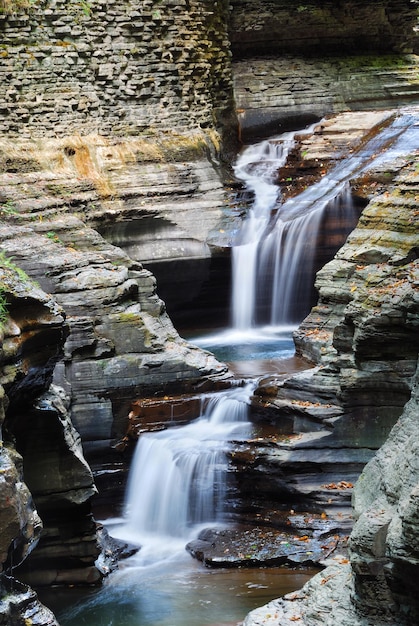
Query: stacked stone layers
(114, 67)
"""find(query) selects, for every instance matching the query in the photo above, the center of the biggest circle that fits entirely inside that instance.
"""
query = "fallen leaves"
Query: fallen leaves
(343, 484)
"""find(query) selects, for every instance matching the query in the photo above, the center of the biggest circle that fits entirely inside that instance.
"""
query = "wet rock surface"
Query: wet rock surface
(20, 606)
(302, 540)
(365, 355)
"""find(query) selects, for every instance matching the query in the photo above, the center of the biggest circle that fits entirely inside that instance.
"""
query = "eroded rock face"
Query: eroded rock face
(365, 356)
(367, 348)
(20, 606)
(276, 93)
(20, 522)
(113, 68)
(377, 587)
(121, 340)
(33, 333)
(62, 486)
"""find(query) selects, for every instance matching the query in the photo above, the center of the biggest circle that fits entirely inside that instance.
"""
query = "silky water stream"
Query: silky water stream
(178, 476)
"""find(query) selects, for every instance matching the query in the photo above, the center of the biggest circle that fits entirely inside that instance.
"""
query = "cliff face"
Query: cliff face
(377, 586)
(114, 68)
(263, 26)
(33, 333)
(363, 332)
(296, 62)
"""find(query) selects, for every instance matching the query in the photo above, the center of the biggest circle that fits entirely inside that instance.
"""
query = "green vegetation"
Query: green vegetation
(53, 236)
(86, 7)
(3, 308)
(10, 275)
(7, 263)
(8, 208)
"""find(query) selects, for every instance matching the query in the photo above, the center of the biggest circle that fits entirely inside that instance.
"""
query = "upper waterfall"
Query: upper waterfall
(273, 259)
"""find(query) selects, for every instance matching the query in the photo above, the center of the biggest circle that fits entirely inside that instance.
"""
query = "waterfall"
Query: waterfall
(257, 168)
(273, 256)
(177, 479)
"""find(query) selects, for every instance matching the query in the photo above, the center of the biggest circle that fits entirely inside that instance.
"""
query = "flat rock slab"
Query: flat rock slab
(311, 540)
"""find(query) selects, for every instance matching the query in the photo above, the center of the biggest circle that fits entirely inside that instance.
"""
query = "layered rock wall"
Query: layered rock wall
(321, 26)
(113, 67)
(363, 338)
(33, 332)
(377, 587)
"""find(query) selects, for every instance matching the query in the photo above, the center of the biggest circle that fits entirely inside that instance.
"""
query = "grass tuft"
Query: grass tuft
(8, 7)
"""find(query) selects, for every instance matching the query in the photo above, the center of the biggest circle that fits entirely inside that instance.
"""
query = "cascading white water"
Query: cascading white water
(270, 254)
(286, 256)
(257, 167)
(178, 476)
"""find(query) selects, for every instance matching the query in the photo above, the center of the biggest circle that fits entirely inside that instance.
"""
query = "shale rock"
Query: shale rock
(20, 606)
(20, 522)
(274, 94)
(62, 486)
(121, 340)
(362, 334)
(303, 541)
(377, 587)
(260, 26)
(114, 69)
(35, 422)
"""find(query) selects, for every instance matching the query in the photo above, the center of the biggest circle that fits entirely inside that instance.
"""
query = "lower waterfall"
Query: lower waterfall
(178, 476)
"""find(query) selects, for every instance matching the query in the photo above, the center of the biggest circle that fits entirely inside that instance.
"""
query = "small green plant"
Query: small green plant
(8, 208)
(3, 308)
(52, 235)
(86, 7)
(7, 262)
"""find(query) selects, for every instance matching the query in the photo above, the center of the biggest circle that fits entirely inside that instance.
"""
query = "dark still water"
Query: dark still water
(254, 344)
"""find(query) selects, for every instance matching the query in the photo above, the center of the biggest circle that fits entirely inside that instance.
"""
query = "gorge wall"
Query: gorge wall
(114, 68)
(118, 123)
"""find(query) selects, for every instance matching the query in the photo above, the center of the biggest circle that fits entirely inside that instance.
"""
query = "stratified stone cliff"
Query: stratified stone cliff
(362, 337)
(378, 586)
(33, 333)
(114, 68)
(353, 26)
